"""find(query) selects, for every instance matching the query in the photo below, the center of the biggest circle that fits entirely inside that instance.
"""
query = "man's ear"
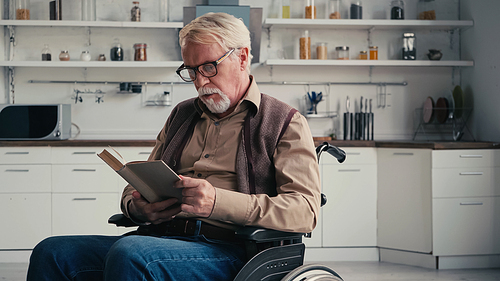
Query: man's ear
(244, 58)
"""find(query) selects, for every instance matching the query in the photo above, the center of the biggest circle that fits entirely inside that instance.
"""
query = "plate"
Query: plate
(458, 98)
(428, 113)
(441, 110)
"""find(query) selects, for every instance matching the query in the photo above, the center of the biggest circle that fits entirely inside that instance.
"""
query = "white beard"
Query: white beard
(216, 108)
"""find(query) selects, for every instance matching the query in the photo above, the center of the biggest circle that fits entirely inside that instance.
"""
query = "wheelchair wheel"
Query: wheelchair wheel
(312, 272)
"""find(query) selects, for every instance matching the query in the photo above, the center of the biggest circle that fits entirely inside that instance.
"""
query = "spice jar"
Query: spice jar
(321, 51)
(305, 46)
(135, 12)
(285, 9)
(22, 9)
(310, 9)
(426, 10)
(116, 53)
(373, 53)
(140, 52)
(64, 55)
(46, 54)
(342, 52)
(409, 50)
(363, 55)
(102, 57)
(334, 9)
(397, 10)
(85, 56)
(356, 10)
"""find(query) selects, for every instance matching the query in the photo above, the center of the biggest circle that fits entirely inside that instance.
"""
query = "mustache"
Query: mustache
(208, 91)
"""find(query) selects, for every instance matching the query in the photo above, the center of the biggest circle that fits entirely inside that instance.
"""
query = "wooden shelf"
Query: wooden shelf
(93, 64)
(408, 25)
(411, 63)
(68, 23)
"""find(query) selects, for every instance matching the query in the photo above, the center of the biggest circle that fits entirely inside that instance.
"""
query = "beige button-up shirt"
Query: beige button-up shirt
(210, 154)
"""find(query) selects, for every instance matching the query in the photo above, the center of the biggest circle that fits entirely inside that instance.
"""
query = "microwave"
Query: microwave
(35, 121)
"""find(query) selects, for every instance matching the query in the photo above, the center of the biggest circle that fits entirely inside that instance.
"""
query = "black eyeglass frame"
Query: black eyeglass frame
(196, 68)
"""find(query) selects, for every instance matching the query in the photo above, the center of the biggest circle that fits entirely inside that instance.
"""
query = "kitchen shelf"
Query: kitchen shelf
(290, 62)
(407, 25)
(68, 23)
(93, 64)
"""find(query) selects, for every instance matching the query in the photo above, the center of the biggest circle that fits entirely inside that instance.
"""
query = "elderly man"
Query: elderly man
(244, 158)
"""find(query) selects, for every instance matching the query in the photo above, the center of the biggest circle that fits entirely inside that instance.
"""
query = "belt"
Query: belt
(187, 227)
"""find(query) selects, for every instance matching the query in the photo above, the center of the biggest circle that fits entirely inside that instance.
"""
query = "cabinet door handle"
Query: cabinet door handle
(471, 156)
(349, 170)
(353, 153)
(471, 173)
(403, 153)
(84, 170)
(144, 153)
(83, 152)
(84, 199)
(17, 152)
(17, 171)
(471, 203)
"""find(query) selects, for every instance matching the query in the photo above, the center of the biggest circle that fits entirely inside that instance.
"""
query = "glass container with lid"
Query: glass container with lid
(321, 51)
(363, 55)
(64, 55)
(356, 10)
(46, 53)
(22, 9)
(135, 12)
(334, 9)
(102, 57)
(373, 53)
(285, 9)
(342, 52)
(305, 46)
(140, 52)
(426, 9)
(85, 56)
(310, 10)
(397, 10)
(116, 52)
(88, 10)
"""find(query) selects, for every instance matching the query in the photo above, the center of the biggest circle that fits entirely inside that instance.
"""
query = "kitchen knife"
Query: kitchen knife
(361, 121)
(371, 118)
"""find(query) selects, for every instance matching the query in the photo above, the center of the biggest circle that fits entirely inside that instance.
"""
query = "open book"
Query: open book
(153, 179)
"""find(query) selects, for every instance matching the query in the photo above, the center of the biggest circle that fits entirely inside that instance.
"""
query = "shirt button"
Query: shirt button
(199, 175)
(216, 123)
(206, 155)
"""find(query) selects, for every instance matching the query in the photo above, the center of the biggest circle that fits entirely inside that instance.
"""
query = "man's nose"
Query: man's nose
(201, 81)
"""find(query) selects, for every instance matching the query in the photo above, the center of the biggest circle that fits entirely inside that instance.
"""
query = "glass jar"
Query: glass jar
(140, 52)
(46, 53)
(409, 50)
(397, 10)
(426, 9)
(88, 10)
(101, 57)
(334, 9)
(305, 46)
(363, 55)
(322, 51)
(373, 53)
(22, 9)
(342, 52)
(85, 56)
(356, 10)
(285, 9)
(310, 9)
(116, 52)
(64, 55)
(55, 12)
(135, 12)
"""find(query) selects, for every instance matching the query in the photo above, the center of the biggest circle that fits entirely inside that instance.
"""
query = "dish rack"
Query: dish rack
(454, 128)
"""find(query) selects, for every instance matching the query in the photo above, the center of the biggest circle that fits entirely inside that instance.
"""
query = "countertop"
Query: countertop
(339, 143)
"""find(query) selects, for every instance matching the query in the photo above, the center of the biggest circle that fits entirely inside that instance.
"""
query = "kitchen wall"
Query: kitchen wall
(482, 81)
(126, 116)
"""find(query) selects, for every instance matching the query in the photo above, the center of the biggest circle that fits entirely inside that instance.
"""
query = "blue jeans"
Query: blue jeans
(135, 258)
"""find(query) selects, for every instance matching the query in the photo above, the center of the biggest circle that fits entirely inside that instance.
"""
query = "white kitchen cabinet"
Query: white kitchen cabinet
(83, 178)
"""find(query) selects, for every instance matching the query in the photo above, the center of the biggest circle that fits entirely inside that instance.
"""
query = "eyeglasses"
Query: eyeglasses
(208, 69)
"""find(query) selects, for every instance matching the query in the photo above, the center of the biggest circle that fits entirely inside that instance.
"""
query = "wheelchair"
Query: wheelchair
(282, 257)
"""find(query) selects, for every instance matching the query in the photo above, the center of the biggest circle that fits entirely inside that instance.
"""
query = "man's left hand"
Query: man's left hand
(198, 196)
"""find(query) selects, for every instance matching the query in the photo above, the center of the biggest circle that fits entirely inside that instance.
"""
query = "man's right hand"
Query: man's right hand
(154, 213)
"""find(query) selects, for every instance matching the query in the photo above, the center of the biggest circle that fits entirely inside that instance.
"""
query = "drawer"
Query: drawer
(76, 155)
(25, 220)
(465, 182)
(463, 158)
(25, 155)
(25, 178)
(135, 153)
(84, 213)
(354, 155)
(84, 178)
(466, 226)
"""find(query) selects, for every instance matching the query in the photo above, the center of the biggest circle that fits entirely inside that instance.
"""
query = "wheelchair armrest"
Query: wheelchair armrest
(250, 233)
(121, 220)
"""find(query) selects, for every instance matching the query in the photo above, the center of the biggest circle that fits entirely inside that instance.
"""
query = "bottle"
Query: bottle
(356, 10)
(322, 51)
(46, 53)
(310, 9)
(88, 10)
(135, 12)
(140, 52)
(285, 9)
(116, 53)
(305, 46)
(85, 56)
(373, 53)
(22, 9)
(64, 55)
(397, 10)
(55, 12)
(334, 9)
(102, 57)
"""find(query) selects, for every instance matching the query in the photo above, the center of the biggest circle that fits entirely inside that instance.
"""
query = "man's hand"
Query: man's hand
(198, 196)
(154, 213)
